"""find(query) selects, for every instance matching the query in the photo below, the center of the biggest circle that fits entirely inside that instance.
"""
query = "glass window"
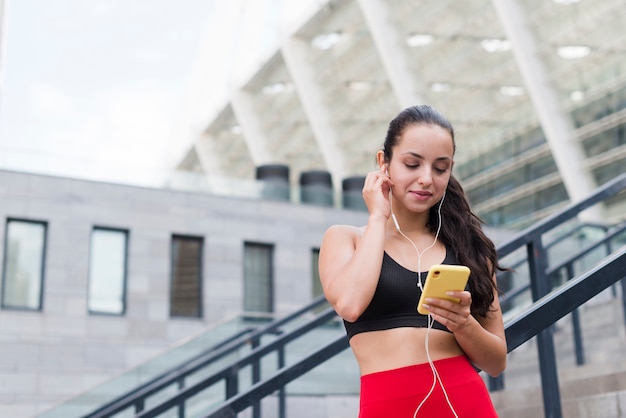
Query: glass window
(24, 254)
(609, 171)
(186, 279)
(544, 166)
(258, 277)
(107, 271)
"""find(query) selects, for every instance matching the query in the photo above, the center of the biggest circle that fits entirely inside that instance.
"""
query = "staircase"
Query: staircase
(318, 378)
(596, 389)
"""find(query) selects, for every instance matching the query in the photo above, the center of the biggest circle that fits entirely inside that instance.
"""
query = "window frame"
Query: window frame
(201, 240)
(125, 276)
(272, 302)
(42, 272)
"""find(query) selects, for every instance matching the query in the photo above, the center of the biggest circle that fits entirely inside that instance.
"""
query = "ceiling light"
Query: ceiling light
(496, 45)
(511, 91)
(577, 95)
(566, 2)
(573, 51)
(235, 130)
(440, 87)
(326, 40)
(276, 88)
(419, 39)
(359, 85)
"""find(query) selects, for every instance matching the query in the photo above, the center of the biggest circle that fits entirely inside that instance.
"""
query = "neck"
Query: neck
(411, 224)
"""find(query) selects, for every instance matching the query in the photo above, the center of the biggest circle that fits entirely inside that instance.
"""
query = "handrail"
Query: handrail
(612, 233)
(531, 322)
(529, 238)
(230, 370)
(137, 396)
(283, 376)
(563, 300)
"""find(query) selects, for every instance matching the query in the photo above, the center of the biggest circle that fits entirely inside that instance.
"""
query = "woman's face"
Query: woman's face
(421, 166)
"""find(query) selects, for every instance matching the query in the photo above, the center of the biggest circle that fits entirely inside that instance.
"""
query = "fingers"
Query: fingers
(376, 192)
(379, 177)
(451, 314)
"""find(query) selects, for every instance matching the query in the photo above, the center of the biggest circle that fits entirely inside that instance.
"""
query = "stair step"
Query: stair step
(594, 389)
(602, 405)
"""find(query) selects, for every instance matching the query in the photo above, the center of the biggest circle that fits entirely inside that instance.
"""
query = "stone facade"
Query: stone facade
(62, 350)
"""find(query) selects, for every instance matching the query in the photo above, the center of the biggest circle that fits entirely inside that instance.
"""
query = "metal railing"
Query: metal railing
(567, 267)
(534, 321)
(518, 330)
(561, 302)
(229, 373)
(177, 376)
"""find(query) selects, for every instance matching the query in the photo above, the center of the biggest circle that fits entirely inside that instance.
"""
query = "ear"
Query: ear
(380, 159)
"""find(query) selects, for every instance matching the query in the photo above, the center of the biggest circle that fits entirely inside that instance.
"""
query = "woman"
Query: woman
(411, 364)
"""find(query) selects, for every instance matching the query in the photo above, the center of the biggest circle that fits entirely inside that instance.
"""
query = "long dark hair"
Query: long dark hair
(461, 229)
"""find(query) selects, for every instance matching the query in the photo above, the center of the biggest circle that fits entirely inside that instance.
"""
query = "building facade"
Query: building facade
(536, 91)
(98, 278)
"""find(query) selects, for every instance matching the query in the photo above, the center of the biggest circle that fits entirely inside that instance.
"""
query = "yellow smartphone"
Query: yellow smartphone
(443, 278)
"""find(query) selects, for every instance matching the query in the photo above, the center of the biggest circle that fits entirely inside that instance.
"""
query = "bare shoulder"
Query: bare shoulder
(341, 237)
(344, 232)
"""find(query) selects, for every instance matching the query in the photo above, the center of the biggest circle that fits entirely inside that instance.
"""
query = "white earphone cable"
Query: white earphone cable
(436, 377)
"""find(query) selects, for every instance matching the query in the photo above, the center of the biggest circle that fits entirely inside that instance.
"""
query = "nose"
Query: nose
(425, 176)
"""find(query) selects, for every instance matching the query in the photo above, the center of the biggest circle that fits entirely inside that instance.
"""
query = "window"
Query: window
(24, 255)
(107, 271)
(186, 278)
(258, 277)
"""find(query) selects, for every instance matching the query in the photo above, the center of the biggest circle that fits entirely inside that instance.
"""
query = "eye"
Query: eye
(441, 169)
(411, 165)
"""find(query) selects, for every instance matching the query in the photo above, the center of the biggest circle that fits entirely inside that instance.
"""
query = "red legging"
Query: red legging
(397, 393)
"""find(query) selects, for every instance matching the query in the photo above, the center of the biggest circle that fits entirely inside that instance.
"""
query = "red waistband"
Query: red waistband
(453, 371)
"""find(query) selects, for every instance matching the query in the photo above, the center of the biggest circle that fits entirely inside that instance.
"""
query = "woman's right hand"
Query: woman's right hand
(377, 192)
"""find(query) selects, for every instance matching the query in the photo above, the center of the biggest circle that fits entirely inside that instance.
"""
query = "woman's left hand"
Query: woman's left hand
(455, 316)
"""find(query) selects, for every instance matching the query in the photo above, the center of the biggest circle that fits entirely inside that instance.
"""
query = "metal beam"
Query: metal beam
(555, 121)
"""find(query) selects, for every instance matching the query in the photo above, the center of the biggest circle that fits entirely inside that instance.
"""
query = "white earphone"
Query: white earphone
(436, 377)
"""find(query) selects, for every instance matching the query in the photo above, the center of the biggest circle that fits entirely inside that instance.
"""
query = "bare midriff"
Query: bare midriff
(376, 351)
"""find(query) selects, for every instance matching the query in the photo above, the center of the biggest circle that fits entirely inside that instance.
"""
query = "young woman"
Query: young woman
(415, 365)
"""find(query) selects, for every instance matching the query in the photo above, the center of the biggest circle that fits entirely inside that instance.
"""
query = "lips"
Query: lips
(422, 194)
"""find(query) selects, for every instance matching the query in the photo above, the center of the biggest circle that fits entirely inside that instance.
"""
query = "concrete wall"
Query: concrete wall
(62, 350)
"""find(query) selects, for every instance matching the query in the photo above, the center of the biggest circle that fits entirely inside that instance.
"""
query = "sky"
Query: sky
(111, 90)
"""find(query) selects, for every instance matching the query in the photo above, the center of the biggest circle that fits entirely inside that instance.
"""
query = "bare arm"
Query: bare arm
(351, 258)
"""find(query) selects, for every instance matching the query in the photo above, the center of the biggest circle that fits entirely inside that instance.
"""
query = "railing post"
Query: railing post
(256, 376)
(496, 383)
(181, 405)
(232, 384)
(282, 413)
(609, 250)
(578, 339)
(540, 287)
(139, 405)
(576, 331)
(624, 298)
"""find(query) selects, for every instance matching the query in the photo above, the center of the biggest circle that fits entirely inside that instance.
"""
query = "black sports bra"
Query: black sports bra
(394, 304)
